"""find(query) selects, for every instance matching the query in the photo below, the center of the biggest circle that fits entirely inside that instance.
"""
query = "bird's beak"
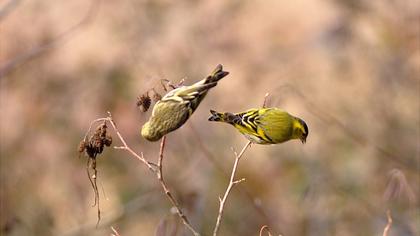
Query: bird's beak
(303, 140)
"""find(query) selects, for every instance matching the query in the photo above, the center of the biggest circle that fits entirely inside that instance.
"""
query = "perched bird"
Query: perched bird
(174, 109)
(265, 125)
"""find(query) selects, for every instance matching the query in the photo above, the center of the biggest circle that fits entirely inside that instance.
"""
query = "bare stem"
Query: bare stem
(265, 99)
(155, 168)
(241, 188)
(265, 228)
(114, 232)
(162, 182)
(127, 148)
(232, 183)
(388, 225)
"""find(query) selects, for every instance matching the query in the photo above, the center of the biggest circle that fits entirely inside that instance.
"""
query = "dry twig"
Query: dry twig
(388, 225)
(159, 174)
(114, 232)
(155, 168)
(265, 99)
(232, 181)
(158, 170)
(92, 147)
(265, 228)
(241, 188)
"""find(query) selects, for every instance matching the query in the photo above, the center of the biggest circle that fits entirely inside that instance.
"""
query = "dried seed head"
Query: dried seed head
(96, 142)
(82, 146)
(144, 102)
(108, 140)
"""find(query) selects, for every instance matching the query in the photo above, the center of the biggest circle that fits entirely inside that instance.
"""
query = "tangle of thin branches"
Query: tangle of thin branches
(157, 169)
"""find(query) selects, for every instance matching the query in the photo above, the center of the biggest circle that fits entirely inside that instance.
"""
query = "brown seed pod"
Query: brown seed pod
(144, 102)
(108, 140)
(82, 146)
(92, 146)
(96, 142)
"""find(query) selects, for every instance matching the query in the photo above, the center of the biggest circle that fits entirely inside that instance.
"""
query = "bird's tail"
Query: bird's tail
(224, 117)
(216, 116)
(199, 90)
(216, 75)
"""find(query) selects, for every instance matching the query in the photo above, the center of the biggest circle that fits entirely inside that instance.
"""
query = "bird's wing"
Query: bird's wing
(276, 124)
(192, 95)
(187, 94)
(247, 123)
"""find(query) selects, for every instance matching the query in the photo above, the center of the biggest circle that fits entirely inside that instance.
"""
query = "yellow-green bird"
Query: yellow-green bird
(174, 109)
(265, 125)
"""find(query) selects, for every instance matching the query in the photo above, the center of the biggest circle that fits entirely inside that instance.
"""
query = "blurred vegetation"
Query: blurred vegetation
(350, 69)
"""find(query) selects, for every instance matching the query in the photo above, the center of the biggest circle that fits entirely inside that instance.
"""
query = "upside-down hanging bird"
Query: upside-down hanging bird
(174, 109)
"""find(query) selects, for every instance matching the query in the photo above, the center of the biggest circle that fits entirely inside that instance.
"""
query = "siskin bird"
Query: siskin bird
(265, 125)
(174, 109)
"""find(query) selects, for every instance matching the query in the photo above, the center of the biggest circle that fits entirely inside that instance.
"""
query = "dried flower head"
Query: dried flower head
(92, 146)
(95, 144)
(82, 146)
(144, 102)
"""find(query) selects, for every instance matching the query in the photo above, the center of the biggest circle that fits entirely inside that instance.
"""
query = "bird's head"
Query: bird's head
(150, 133)
(300, 130)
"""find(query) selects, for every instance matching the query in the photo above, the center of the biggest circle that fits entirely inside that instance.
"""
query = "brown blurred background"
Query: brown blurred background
(350, 69)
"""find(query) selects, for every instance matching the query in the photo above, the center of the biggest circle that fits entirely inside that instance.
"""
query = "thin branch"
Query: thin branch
(155, 168)
(265, 99)
(91, 164)
(162, 182)
(241, 188)
(114, 232)
(388, 225)
(265, 228)
(90, 179)
(232, 183)
(127, 148)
